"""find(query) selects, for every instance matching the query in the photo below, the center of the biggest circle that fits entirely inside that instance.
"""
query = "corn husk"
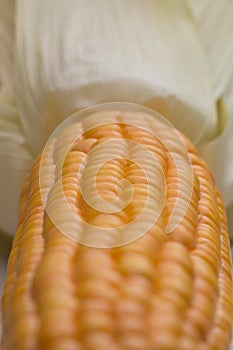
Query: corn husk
(215, 23)
(90, 52)
(6, 48)
(15, 160)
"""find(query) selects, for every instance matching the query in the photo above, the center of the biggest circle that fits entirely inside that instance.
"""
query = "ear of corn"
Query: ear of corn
(161, 291)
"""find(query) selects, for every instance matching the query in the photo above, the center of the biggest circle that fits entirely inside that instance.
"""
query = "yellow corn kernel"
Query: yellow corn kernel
(165, 290)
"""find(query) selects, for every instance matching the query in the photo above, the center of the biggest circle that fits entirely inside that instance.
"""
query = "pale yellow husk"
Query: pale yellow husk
(215, 24)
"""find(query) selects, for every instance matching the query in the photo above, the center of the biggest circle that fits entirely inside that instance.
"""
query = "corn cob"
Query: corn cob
(162, 291)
